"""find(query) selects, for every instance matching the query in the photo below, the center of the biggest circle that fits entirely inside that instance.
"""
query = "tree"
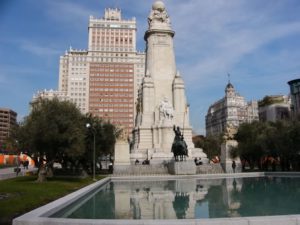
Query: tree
(105, 137)
(251, 139)
(211, 145)
(53, 130)
(262, 143)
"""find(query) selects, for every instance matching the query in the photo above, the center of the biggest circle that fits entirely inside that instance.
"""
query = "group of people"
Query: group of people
(198, 161)
(145, 162)
(25, 164)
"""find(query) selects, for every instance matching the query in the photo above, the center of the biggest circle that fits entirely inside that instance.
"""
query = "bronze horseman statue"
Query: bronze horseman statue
(179, 146)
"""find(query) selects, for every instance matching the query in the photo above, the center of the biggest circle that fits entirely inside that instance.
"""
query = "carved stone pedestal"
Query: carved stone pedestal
(226, 161)
(182, 167)
(122, 157)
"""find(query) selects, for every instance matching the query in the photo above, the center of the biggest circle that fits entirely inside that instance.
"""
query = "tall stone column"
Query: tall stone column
(162, 97)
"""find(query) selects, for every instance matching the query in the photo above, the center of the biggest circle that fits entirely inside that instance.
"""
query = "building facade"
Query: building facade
(104, 79)
(8, 119)
(274, 108)
(232, 109)
(49, 94)
(295, 96)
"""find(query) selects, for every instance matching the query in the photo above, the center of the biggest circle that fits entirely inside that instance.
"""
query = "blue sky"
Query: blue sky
(257, 42)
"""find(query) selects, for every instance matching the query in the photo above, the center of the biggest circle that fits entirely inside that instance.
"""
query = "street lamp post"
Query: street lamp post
(94, 149)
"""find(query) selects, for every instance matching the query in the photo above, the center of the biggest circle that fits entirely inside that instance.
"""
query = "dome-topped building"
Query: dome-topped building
(233, 109)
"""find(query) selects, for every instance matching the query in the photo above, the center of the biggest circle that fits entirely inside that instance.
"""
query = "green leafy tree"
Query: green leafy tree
(251, 139)
(53, 130)
(211, 145)
(264, 143)
(105, 138)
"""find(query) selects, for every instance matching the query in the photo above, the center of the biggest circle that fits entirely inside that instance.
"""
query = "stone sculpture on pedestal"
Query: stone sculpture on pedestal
(228, 143)
(179, 146)
(162, 100)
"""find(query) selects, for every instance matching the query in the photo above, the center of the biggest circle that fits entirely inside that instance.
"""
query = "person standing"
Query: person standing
(233, 166)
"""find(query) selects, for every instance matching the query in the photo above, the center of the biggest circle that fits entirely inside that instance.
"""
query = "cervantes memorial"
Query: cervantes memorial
(162, 101)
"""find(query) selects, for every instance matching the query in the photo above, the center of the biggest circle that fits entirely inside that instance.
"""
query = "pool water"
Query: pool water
(189, 199)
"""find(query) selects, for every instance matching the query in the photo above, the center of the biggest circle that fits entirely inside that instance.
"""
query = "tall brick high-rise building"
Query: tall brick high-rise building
(104, 79)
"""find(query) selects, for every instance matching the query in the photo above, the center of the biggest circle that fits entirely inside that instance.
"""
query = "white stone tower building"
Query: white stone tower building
(162, 100)
(231, 109)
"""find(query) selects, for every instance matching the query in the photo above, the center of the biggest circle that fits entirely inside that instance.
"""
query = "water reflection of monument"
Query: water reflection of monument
(178, 199)
(158, 200)
(162, 101)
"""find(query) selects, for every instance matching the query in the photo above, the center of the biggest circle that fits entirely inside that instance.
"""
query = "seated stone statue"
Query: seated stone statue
(166, 109)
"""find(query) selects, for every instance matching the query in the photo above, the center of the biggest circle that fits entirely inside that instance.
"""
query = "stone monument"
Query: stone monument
(227, 145)
(121, 158)
(162, 101)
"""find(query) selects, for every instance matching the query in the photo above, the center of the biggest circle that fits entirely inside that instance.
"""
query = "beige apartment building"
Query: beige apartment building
(274, 108)
(8, 118)
(104, 79)
(295, 97)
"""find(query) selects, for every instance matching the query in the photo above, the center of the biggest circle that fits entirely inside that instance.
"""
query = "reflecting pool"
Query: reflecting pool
(189, 199)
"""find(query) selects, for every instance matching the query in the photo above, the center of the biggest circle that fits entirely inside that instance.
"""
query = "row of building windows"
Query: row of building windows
(112, 89)
(78, 94)
(113, 85)
(123, 65)
(118, 111)
(118, 70)
(111, 79)
(112, 39)
(110, 59)
(111, 95)
(113, 48)
(114, 100)
(78, 68)
(80, 59)
(106, 25)
(78, 83)
(78, 89)
(79, 73)
(115, 75)
(103, 105)
(112, 32)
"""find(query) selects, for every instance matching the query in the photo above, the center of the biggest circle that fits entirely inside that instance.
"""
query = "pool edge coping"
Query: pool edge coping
(39, 215)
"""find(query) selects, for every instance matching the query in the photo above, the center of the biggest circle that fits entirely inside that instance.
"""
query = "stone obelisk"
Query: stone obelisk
(162, 101)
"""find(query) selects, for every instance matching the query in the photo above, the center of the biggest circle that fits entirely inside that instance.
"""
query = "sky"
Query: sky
(257, 42)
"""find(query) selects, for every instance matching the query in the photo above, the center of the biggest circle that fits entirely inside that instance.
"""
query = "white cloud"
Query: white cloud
(39, 50)
(219, 37)
(213, 37)
(68, 11)
(216, 37)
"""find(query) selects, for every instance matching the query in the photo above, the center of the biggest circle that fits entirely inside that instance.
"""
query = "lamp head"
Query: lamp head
(88, 125)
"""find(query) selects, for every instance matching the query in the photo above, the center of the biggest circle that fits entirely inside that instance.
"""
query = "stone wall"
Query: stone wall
(136, 170)
(161, 169)
(209, 169)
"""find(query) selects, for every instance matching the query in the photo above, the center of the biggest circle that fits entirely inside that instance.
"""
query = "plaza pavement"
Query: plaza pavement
(7, 173)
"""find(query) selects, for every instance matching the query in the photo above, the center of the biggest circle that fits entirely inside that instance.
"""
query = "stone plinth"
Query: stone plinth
(226, 161)
(182, 167)
(122, 157)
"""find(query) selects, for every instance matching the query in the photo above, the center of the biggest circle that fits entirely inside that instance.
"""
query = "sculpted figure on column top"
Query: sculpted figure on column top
(158, 14)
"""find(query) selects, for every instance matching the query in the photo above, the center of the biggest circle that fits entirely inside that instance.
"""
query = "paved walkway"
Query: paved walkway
(8, 173)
